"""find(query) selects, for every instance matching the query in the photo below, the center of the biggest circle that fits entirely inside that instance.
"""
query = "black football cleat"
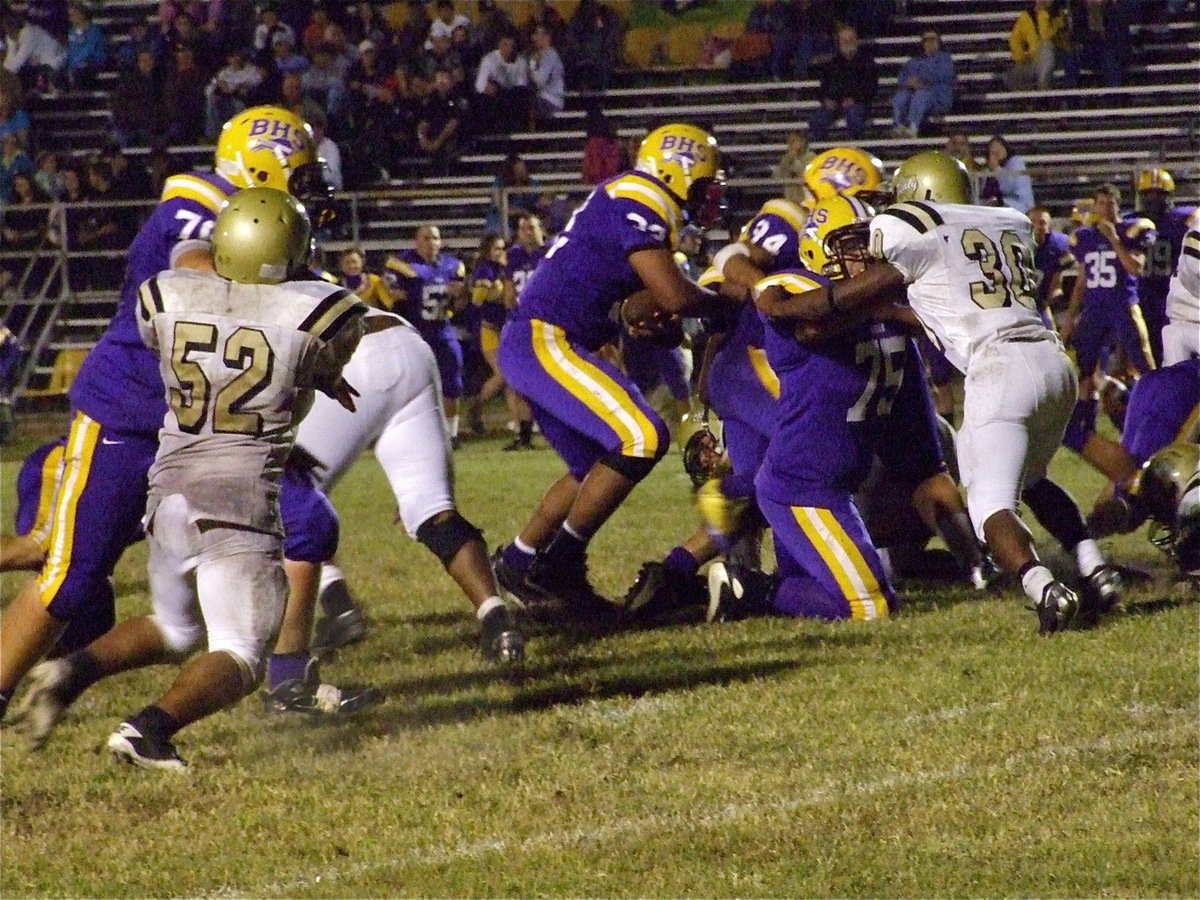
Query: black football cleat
(500, 640)
(658, 591)
(512, 582)
(310, 696)
(130, 746)
(1101, 591)
(1057, 608)
(334, 632)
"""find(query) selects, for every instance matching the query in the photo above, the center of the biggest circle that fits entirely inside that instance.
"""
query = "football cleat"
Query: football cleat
(512, 582)
(568, 597)
(737, 593)
(131, 746)
(517, 444)
(334, 632)
(43, 704)
(1101, 591)
(500, 640)
(310, 696)
(1056, 609)
(658, 591)
(986, 575)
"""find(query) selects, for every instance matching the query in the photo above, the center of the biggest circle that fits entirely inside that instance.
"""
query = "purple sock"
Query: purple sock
(681, 562)
(283, 667)
(517, 559)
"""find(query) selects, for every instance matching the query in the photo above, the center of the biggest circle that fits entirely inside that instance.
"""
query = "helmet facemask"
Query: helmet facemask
(846, 247)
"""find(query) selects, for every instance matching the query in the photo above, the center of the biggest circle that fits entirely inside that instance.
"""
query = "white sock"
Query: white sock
(1087, 552)
(523, 547)
(1035, 580)
(572, 532)
(453, 422)
(329, 574)
(885, 557)
(487, 606)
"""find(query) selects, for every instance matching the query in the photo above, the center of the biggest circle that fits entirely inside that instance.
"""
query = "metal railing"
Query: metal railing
(55, 291)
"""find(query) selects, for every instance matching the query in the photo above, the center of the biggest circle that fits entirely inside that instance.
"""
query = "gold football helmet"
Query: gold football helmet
(837, 232)
(843, 170)
(684, 158)
(261, 236)
(932, 175)
(1155, 179)
(1168, 486)
(267, 146)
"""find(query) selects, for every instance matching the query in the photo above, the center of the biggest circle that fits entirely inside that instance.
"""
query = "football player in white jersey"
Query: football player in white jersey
(399, 411)
(966, 273)
(241, 352)
(1181, 334)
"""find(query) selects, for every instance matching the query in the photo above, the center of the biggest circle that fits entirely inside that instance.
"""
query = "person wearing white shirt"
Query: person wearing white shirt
(502, 87)
(548, 76)
(445, 21)
(33, 50)
(328, 153)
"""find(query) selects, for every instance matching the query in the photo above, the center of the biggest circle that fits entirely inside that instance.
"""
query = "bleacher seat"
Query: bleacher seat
(67, 363)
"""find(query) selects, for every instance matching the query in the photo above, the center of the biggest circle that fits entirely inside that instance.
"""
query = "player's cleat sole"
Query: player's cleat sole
(334, 632)
(500, 640)
(129, 745)
(43, 705)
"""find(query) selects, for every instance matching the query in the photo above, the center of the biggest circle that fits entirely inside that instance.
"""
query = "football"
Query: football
(662, 330)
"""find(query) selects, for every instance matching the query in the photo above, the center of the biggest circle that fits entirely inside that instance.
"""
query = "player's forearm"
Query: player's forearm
(1076, 301)
(741, 270)
(1133, 263)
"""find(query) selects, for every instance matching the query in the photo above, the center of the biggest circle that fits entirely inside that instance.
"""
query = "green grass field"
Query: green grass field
(948, 751)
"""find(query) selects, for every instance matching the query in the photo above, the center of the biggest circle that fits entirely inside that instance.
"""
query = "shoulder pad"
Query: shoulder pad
(921, 217)
(331, 312)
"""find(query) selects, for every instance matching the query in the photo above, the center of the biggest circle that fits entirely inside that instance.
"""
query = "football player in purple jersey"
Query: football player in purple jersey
(427, 286)
(1111, 254)
(616, 249)
(1171, 222)
(118, 400)
(492, 292)
(523, 257)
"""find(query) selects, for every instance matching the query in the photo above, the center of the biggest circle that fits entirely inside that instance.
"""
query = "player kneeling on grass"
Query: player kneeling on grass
(240, 353)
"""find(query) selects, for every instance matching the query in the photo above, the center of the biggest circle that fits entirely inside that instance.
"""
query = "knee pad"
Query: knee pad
(635, 468)
(179, 639)
(447, 533)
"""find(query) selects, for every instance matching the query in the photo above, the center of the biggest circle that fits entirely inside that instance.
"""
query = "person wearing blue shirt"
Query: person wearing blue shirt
(1007, 183)
(926, 87)
(87, 47)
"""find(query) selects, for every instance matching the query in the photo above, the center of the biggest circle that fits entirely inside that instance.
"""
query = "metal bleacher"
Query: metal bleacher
(1070, 139)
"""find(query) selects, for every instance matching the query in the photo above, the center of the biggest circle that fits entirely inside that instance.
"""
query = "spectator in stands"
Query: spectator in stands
(460, 43)
(130, 180)
(445, 20)
(33, 53)
(183, 97)
(48, 14)
(1007, 183)
(316, 31)
(87, 48)
(958, 145)
(601, 149)
(502, 94)
(926, 87)
(1100, 32)
(439, 122)
(813, 21)
(48, 176)
(751, 53)
(594, 35)
(13, 119)
(363, 23)
(269, 25)
(141, 38)
(24, 225)
(14, 161)
(1051, 256)
(513, 173)
(790, 167)
(548, 76)
(106, 227)
(544, 14)
(491, 21)
(229, 91)
(291, 96)
(137, 112)
(1039, 33)
(230, 24)
(441, 54)
(170, 10)
(283, 54)
(160, 166)
(848, 83)
(184, 32)
(323, 83)
(327, 151)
